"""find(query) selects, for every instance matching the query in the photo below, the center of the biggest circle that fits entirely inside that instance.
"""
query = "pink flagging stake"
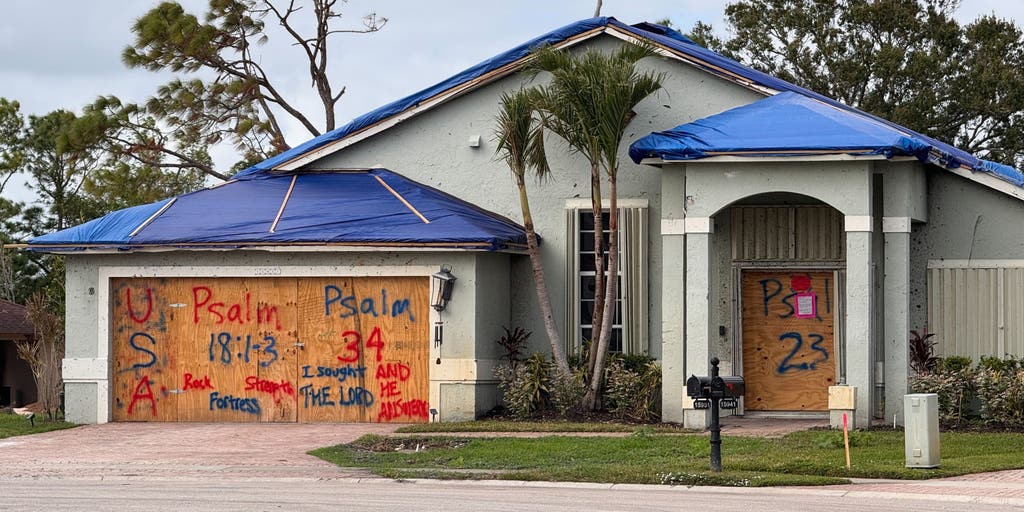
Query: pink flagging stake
(846, 441)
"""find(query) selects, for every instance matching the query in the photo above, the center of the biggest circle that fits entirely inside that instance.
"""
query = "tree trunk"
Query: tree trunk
(599, 282)
(591, 399)
(533, 248)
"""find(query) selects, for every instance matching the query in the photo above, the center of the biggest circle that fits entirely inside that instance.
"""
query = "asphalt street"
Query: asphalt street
(256, 494)
(253, 467)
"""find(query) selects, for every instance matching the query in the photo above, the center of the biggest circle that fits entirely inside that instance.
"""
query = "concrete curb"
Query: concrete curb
(824, 492)
(207, 473)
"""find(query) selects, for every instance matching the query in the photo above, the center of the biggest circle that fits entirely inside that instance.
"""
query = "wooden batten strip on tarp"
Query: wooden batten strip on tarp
(152, 217)
(284, 202)
(402, 199)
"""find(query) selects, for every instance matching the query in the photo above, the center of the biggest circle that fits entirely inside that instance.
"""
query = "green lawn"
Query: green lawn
(535, 426)
(16, 425)
(802, 458)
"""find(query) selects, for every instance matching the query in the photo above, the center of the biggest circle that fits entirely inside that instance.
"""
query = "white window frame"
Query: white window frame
(633, 269)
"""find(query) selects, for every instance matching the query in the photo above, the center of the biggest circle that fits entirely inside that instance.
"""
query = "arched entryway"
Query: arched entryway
(785, 260)
(802, 220)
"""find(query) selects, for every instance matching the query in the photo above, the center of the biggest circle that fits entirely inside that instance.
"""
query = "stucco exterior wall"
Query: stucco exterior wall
(479, 306)
(965, 221)
(712, 186)
(433, 148)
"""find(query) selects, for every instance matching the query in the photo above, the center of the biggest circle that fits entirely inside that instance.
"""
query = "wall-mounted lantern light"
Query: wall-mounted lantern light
(444, 281)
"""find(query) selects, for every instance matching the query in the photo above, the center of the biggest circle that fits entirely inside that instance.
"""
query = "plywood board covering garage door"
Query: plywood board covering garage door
(270, 349)
(788, 339)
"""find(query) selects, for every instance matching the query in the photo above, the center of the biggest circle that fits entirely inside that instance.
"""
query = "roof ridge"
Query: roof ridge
(671, 41)
(413, 100)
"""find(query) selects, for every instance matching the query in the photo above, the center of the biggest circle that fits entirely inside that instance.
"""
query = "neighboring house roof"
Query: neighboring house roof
(668, 42)
(14, 320)
(370, 208)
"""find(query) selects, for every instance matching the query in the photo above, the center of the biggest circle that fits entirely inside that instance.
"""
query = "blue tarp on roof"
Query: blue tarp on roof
(113, 228)
(1003, 171)
(355, 208)
(373, 208)
(940, 152)
(786, 124)
(413, 100)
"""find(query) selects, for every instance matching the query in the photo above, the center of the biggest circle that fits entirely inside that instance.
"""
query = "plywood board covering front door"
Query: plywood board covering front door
(270, 349)
(788, 339)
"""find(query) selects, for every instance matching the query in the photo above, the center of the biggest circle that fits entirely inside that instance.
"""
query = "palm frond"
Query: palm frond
(519, 133)
(590, 97)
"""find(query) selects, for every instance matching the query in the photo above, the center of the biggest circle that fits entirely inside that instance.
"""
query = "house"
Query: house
(17, 386)
(795, 238)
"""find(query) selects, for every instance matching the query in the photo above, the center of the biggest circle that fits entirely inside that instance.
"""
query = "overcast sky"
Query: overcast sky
(64, 54)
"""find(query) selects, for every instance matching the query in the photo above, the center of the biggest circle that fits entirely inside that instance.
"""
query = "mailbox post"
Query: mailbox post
(715, 392)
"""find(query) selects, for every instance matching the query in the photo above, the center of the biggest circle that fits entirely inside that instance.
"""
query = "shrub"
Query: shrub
(992, 391)
(525, 386)
(635, 362)
(633, 388)
(514, 343)
(567, 393)
(998, 364)
(922, 352)
(1000, 389)
(954, 383)
(954, 363)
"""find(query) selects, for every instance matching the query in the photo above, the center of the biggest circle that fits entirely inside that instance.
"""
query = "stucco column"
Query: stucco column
(698, 309)
(673, 279)
(673, 325)
(859, 306)
(896, 290)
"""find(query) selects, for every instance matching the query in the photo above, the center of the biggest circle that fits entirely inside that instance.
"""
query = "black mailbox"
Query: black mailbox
(698, 387)
(727, 387)
(714, 393)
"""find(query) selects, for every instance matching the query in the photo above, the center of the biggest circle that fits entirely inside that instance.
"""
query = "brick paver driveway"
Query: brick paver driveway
(181, 450)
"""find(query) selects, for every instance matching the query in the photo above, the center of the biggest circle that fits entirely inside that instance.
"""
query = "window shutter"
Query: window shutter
(571, 325)
(633, 240)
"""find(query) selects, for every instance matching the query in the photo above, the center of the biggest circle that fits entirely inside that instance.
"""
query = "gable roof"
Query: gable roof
(787, 124)
(369, 208)
(667, 42)
(791, 124)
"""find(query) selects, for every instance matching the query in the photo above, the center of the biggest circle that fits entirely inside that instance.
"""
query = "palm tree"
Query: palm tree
(589, 102)
(520, 139)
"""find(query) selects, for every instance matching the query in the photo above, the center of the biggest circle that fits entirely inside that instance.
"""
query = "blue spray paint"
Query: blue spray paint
(152, 355)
